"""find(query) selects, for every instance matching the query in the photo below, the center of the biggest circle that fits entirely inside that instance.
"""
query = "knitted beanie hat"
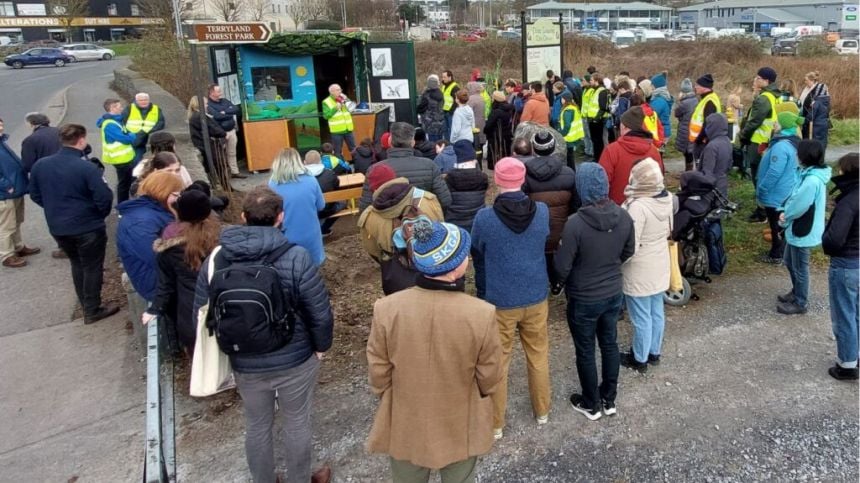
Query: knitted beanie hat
(706, 81)
(767, 74)
(510, 173)
(379, 174)
(465, 151)
(193, 206)
(432, 81)
(646, 180)
(385, 140)
(543, 143)
(437, 247)
(591, 183)
(658, 81)
(686, 86)
(647, 88)
(789, 120)
(633, 118)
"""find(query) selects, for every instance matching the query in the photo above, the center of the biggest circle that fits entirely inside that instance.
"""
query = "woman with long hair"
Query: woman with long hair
(303, 199)
(196, 117)
(160, 142)
(180, 251)
(163, 161)
(141, 223)
(815, 108)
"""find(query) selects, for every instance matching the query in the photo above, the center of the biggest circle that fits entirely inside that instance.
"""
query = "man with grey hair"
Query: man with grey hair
(336, 112)
(44, 141)
(422, 173)
(142, 116)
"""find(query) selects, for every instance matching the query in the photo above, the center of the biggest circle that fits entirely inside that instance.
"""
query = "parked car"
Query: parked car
(846, 46)
(684, 37)
(510, 34)
(784, 46)
(78, 52)
(40, 56)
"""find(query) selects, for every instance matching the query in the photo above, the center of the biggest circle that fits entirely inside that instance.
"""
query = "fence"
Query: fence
(160, 459)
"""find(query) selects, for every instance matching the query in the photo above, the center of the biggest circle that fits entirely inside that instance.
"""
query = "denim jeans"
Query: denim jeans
(587, 320)
(337, 142)
(86, 254)
(844, 313)
(797, 262)
(648, 319)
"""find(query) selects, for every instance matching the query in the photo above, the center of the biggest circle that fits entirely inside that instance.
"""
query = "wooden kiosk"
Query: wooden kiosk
(282, 85)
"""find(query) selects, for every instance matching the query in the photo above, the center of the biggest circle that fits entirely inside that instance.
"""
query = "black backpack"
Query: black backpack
(248, 310)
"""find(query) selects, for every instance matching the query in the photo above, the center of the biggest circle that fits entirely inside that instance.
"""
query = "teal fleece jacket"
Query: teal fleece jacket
(812, 188)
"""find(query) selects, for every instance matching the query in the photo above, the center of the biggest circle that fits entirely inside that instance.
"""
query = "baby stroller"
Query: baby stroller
(700, 205)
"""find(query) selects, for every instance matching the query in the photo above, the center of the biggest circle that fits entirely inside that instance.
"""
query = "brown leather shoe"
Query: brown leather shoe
(27, 251)
(59, 254)
(14, 261)
(322, 475)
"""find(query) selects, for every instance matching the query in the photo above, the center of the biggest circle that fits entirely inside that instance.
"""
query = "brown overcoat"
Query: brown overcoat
(434, 358)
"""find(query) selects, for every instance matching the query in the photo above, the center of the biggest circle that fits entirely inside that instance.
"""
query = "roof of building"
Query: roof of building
(761, 4)
(777, 15)
(552, 5)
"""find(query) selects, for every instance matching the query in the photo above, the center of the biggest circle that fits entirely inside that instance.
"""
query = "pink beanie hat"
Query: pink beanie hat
(510, 173)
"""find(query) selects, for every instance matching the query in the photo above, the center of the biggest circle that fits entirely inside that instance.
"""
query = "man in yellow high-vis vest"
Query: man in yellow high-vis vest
(340, 126)
(142, 116)
(570, 126)
(449, 93)
(757, 127)
(118, 147)
(708, 104)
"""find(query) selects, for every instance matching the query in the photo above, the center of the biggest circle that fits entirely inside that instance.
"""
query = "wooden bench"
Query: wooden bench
(350, 195)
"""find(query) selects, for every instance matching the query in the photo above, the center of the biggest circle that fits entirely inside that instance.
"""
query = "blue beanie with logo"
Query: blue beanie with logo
(437, 247)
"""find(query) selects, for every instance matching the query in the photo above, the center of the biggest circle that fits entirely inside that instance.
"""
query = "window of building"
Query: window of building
(7, 9)
(112, 10)
(135, 10)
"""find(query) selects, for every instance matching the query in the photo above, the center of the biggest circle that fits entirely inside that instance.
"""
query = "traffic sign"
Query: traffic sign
(232, 33)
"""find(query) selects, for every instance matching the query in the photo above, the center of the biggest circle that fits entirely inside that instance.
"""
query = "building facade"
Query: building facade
(761, 16)
(104, 20)
(605, 16)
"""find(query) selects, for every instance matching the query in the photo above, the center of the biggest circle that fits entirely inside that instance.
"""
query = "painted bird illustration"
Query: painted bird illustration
(394, 92)
(380, 62)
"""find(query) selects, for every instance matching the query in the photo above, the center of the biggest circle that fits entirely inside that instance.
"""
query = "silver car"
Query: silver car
(80, 52)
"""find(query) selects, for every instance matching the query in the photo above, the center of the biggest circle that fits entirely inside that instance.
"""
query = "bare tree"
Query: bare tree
(66, 11)
(259, 10)
(163, 9)
(301, 11)
(228, 10)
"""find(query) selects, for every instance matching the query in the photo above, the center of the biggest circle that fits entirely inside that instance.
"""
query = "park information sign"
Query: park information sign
(232, 33)
(542, 47)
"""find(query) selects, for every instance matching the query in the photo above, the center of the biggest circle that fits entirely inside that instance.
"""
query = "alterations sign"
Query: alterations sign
(542, 48)
(232, 33)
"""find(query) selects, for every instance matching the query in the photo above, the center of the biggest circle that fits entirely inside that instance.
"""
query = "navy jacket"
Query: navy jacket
(227, 120)
(142, 222)
(73, 192)
(44, 141)
(301, 282)
(12, 174)
(841, 237)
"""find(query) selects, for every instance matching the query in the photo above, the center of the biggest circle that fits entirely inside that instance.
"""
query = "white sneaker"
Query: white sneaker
(497, 434)
(541, 420)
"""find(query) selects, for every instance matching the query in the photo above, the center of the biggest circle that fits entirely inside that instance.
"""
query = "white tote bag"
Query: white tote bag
(210, 368)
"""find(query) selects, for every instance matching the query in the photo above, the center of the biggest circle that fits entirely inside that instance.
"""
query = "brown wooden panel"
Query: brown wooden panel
(362, 127)
(264, 140)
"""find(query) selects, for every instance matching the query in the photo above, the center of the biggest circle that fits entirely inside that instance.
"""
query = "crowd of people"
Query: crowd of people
(597, 230)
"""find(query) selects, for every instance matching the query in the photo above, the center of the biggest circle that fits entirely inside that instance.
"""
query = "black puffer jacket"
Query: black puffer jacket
(299, 277)
(426, 149)
(841, 235)
(550, 181)
(196, 130)
(328, 181)
(421, 173)
(430, 109)
(468, 191)
(362, 158)
(174, 295)
(44, 141)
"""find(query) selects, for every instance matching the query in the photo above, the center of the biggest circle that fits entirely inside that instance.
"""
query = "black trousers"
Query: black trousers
(777, 244)
(596, 131)
(123, 181)
(87, 255)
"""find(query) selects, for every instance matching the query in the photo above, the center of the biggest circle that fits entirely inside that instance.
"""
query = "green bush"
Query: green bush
(322, 25)
(814, 47)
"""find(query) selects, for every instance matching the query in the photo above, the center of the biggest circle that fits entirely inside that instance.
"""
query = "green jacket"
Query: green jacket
(758, 112)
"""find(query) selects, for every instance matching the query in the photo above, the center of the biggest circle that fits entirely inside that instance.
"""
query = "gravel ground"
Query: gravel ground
(742, 394)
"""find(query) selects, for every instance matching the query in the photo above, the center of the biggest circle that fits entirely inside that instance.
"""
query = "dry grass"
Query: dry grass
(161, 59)
(732, 62)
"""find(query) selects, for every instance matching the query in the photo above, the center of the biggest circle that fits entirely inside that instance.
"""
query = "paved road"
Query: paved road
(71, 396)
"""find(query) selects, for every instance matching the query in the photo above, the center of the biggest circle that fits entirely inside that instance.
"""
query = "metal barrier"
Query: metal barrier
(160, 459)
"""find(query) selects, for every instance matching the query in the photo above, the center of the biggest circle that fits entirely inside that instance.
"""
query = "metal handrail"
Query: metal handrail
(160, 459)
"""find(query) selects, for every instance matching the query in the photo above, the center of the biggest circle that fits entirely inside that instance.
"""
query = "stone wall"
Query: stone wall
(128, 83)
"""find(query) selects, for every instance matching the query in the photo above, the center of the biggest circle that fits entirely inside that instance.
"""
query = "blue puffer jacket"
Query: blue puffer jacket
(777, 173)
(142, 222)
(299, 277)
(661, 101)
(804, 228)
(11, 172)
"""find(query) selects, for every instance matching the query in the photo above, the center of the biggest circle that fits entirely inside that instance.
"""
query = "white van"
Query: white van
(706, 32)
(650, 35)
(730, 32)
(846, 46)
(623, 38)
(805, 30)
(780, 31)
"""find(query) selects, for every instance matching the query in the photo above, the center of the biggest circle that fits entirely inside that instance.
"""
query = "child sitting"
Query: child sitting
(331, 161)
(364, 156)
(468, 186)
(445, 156)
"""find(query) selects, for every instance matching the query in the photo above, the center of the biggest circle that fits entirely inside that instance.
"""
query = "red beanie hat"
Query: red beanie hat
(379, 174)
(385, 140)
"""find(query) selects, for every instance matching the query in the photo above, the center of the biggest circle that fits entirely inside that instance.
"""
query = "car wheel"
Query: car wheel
(680, 298)
(17, 64)
(59, 62)
(72, 59)
(107, 57)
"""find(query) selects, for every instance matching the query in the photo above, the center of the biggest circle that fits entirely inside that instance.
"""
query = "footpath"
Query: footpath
(71, 396)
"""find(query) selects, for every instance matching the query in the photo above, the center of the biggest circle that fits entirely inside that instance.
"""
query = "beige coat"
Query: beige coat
(434, 358)
(647, 271)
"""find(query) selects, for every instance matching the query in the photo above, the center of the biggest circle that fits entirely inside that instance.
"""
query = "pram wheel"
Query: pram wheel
(679, 298)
